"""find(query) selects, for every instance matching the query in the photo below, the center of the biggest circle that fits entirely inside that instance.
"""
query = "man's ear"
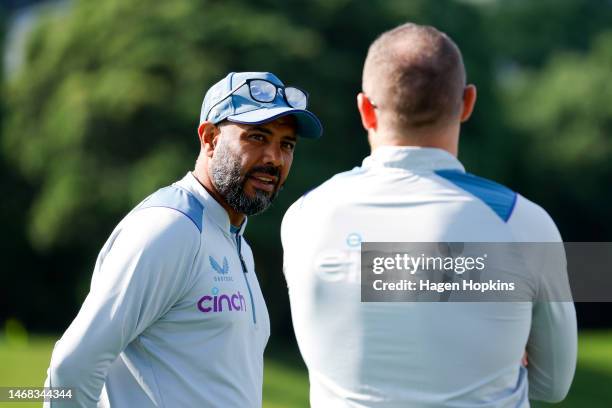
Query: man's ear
(367, 111)
(208, 134)
(469, 100)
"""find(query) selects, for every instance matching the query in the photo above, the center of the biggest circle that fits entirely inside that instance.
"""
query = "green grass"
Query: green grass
(25, 364)
(286, 381)
(592, 386)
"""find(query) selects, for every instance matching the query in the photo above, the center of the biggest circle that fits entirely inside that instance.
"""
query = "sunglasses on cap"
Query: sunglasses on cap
(261, 90)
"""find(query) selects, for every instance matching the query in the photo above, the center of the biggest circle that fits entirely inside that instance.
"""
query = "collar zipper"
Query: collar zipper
(245, 271)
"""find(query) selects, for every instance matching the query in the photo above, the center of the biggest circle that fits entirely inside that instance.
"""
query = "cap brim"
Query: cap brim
(309, 125)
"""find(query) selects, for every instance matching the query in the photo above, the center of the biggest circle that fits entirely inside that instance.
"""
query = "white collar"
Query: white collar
(212, 208)
(412, 158)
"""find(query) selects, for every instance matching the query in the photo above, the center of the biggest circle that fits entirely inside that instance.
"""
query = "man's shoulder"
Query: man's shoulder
(498, 197)
(337, 186)
(532, 223)
(169, 217)
(174, 200)
(323, 199)
(528, 220)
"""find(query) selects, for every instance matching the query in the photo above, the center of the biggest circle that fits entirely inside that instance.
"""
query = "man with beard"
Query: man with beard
(175, 316)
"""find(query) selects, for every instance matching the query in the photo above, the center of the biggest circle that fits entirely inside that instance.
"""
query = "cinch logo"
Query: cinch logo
(222, 271)
(219, 303)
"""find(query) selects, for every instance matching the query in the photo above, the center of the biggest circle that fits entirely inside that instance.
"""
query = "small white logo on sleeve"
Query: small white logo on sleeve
(353, 240)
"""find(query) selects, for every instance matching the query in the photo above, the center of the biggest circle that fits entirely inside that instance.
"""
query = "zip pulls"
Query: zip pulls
(245, 271)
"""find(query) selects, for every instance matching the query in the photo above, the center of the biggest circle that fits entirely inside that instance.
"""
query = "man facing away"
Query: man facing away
(412, 188)
(175, 316)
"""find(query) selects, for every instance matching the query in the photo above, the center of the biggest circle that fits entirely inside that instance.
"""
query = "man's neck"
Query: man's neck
(445, 139)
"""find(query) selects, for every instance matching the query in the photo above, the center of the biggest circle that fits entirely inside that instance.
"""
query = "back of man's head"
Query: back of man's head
(416, 78)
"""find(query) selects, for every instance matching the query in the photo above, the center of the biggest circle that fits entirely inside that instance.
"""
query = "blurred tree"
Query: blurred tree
(551, 80)
(106, 106)
(563, 118)
(105, 109)
(528, 32)
(108, 102)
(527, 43)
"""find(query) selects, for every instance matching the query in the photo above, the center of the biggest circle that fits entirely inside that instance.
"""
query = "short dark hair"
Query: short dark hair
(416, 74)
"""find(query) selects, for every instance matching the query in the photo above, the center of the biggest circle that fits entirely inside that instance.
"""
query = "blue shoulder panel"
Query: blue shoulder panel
(499, 198)
(177, 199)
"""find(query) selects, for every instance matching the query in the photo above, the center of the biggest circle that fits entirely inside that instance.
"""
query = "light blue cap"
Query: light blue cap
(241, 108)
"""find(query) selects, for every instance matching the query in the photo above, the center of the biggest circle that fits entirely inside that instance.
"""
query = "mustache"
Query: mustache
(271, 170)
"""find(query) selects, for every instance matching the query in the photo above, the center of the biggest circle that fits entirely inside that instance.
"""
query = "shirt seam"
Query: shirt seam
(150, 364)
(192, 274)
(415, 171)
(475, 197)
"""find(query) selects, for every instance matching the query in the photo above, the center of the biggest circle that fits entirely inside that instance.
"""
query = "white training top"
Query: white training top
(174, 317)
(418, 354)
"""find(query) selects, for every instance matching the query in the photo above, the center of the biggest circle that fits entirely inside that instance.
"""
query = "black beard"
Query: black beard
(226, 176)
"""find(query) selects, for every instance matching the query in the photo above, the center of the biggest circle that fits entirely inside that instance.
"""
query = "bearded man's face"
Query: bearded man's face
(250, 163)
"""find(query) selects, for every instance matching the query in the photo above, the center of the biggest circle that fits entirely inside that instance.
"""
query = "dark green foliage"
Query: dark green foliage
(105, 108)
